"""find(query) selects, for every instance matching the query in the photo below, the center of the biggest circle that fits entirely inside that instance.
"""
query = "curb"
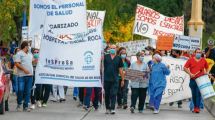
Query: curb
(210, 106)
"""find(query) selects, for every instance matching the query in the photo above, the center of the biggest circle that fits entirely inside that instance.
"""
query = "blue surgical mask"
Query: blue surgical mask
(198, 55)
(112, 51)
(123, 56)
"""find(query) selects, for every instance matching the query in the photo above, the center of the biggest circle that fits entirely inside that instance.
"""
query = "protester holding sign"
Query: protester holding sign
(122, 94)
(139, 86)
(113, 66)
(157, 82)
(210, 50)
(196, 67)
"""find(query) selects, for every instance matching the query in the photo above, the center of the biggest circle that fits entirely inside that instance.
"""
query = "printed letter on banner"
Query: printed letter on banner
(59, 17)
(150, 23)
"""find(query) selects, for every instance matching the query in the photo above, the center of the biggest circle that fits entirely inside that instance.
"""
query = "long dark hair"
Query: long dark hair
(119, 52)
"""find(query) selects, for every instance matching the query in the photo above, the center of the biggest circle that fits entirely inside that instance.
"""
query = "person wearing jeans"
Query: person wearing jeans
(196, 67)
(139, 85)
(75, 93)
(23, 62)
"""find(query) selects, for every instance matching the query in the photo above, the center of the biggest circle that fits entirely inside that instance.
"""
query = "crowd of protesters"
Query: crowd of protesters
(23, 62)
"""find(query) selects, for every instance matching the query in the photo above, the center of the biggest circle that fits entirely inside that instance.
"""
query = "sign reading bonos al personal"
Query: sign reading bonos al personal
(152, 24)
(57, 16)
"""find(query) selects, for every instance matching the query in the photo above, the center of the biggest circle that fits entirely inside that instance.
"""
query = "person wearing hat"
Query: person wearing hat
(210, 50)
(157, 82)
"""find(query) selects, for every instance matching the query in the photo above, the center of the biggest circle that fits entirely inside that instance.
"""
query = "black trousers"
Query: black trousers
(81, 94)
(122, 95)
(141, 93)
(42, 92)
(111, 89)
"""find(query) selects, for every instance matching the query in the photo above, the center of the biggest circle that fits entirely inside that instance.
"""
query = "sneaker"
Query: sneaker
(107, 111)
(125, 107)
(18, 108)
(196, 110)
(112, 112)
(75, 98)
(171, 104)
(44, 105)
(39, 104)
(132, 109)
(27, 109)
(140, 111)
(156, 111)
(86, 108)
(33, 106)
(62, 100)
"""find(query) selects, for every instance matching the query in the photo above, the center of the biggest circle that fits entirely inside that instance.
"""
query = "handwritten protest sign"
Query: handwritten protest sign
(135, 74)
(165, 42)
(177, 82)
(132, 47)
(152, 24)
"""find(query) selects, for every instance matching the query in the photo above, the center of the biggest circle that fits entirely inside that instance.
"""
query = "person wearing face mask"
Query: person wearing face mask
(113, 66)
(23, 62)
(139, 86)
(196, 67)
(157, 82)
(122, 94)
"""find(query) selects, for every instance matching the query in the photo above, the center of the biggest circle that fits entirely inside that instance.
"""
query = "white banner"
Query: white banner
(177, 82)
(71, 62)
(186, 42)
(59, 16)
(151, 23)
(132, 47)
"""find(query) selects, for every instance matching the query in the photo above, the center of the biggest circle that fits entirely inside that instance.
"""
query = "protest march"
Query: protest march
(64, 48)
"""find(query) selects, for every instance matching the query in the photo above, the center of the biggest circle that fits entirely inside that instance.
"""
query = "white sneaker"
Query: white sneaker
(112, 112)
(33, 106)
(39, 104)
(156, 111)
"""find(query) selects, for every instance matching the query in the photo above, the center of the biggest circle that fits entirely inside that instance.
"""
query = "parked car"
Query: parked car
(2, 89)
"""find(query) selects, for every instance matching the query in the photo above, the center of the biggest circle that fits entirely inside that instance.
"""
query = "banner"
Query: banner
(164, 43)
(151, 23)
(186, 42)
(177, 82)
(72, 62)
(59, 17)
(132, 47)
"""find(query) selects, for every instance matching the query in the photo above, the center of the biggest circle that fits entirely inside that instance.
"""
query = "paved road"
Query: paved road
(69, 111)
